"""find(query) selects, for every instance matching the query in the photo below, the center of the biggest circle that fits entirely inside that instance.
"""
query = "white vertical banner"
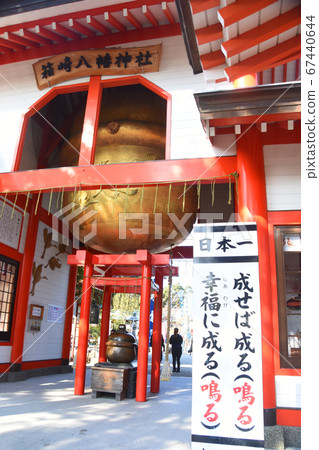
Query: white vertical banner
(227, 404)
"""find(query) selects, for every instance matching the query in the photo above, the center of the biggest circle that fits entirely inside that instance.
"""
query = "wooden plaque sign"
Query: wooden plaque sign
(106, 61)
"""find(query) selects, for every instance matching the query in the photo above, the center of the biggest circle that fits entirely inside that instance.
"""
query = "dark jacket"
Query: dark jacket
(176, 341)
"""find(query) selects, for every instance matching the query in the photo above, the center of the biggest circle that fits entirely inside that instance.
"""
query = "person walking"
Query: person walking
(176, 341)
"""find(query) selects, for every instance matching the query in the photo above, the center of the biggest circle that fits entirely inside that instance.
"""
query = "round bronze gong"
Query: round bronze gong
(132, 128)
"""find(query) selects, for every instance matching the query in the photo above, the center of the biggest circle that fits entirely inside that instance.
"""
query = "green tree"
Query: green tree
(122, 307)
(179, 293)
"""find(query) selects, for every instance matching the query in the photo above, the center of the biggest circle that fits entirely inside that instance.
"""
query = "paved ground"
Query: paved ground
(43, 412)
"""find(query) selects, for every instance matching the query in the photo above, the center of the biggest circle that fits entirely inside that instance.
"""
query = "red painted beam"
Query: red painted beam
(81, 28)
(13, 45)
(224, 121)
(114, 22)
(5, 49)
(212, 59)
(203, 5)
(129, 16)
(241, 9)
(97, 25)
(111, 281)
(209, 34)
(96, 42)
(55, 37)
(264, 59)
(65, 31)
(91, 120)
(148, 14)
(172, 171)
(21, 40)
(37, 37)
(168, 12)
(262, 33)
(94, 12)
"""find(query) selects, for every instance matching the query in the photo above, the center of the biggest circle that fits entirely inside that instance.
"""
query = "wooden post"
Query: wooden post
(253, 207)
(106, 309)
(142, 358)
(79, 383)
(157, 336)
(68, 316)
(24, 287)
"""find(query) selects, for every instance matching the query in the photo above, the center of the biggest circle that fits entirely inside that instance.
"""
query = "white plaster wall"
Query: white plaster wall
(5, 353)
(283, 171)
(288, 391)
(24, 232)
(47, 344)
(18, 92)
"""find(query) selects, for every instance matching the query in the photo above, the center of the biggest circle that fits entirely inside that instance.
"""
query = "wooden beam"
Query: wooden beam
(20, 40)
(35, 36)
(5, 49)
(113, 39)
(262, 32)
(114, 22)
(81, 28)
(129, 16)
(13, 45)
(240, 9)
(226, 121)
(50, 35)
(65, 31)
(209, 34)
(147, 12)
(122, 174)
(263, 60)
(213, 59)
(168, 12)
(202, 5)
(97, 25)
(91, 119)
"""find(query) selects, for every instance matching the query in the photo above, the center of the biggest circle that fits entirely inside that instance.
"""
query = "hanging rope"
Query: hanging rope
(212, 188)
(183, 208)
(26, 204)
(4, 202)
(14, 204)
(155, 200)
(198, 195)
(166, 369)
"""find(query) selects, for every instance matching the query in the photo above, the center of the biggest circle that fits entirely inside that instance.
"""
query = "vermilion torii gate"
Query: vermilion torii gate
(136, 270)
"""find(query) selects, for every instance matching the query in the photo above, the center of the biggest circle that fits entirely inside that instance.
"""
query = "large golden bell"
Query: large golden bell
(131, 128)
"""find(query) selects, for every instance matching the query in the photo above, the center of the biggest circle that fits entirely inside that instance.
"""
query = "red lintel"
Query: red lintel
(170, 171)
(111, 281)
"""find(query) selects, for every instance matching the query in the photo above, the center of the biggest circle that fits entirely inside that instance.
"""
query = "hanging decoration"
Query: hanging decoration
(36, 274)
(126, 190)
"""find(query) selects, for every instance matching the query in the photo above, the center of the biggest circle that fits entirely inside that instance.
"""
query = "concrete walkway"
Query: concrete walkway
(43, 412)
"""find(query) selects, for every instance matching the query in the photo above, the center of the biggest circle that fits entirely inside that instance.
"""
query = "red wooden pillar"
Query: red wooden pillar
(69, 316)
(106, 309)
(79, 383)
(157, 336)
(91, 121)
(142, 358)
(24, 287)
(253, 207)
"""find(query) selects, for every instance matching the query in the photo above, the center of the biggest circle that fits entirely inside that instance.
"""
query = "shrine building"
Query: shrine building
(126, 128)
